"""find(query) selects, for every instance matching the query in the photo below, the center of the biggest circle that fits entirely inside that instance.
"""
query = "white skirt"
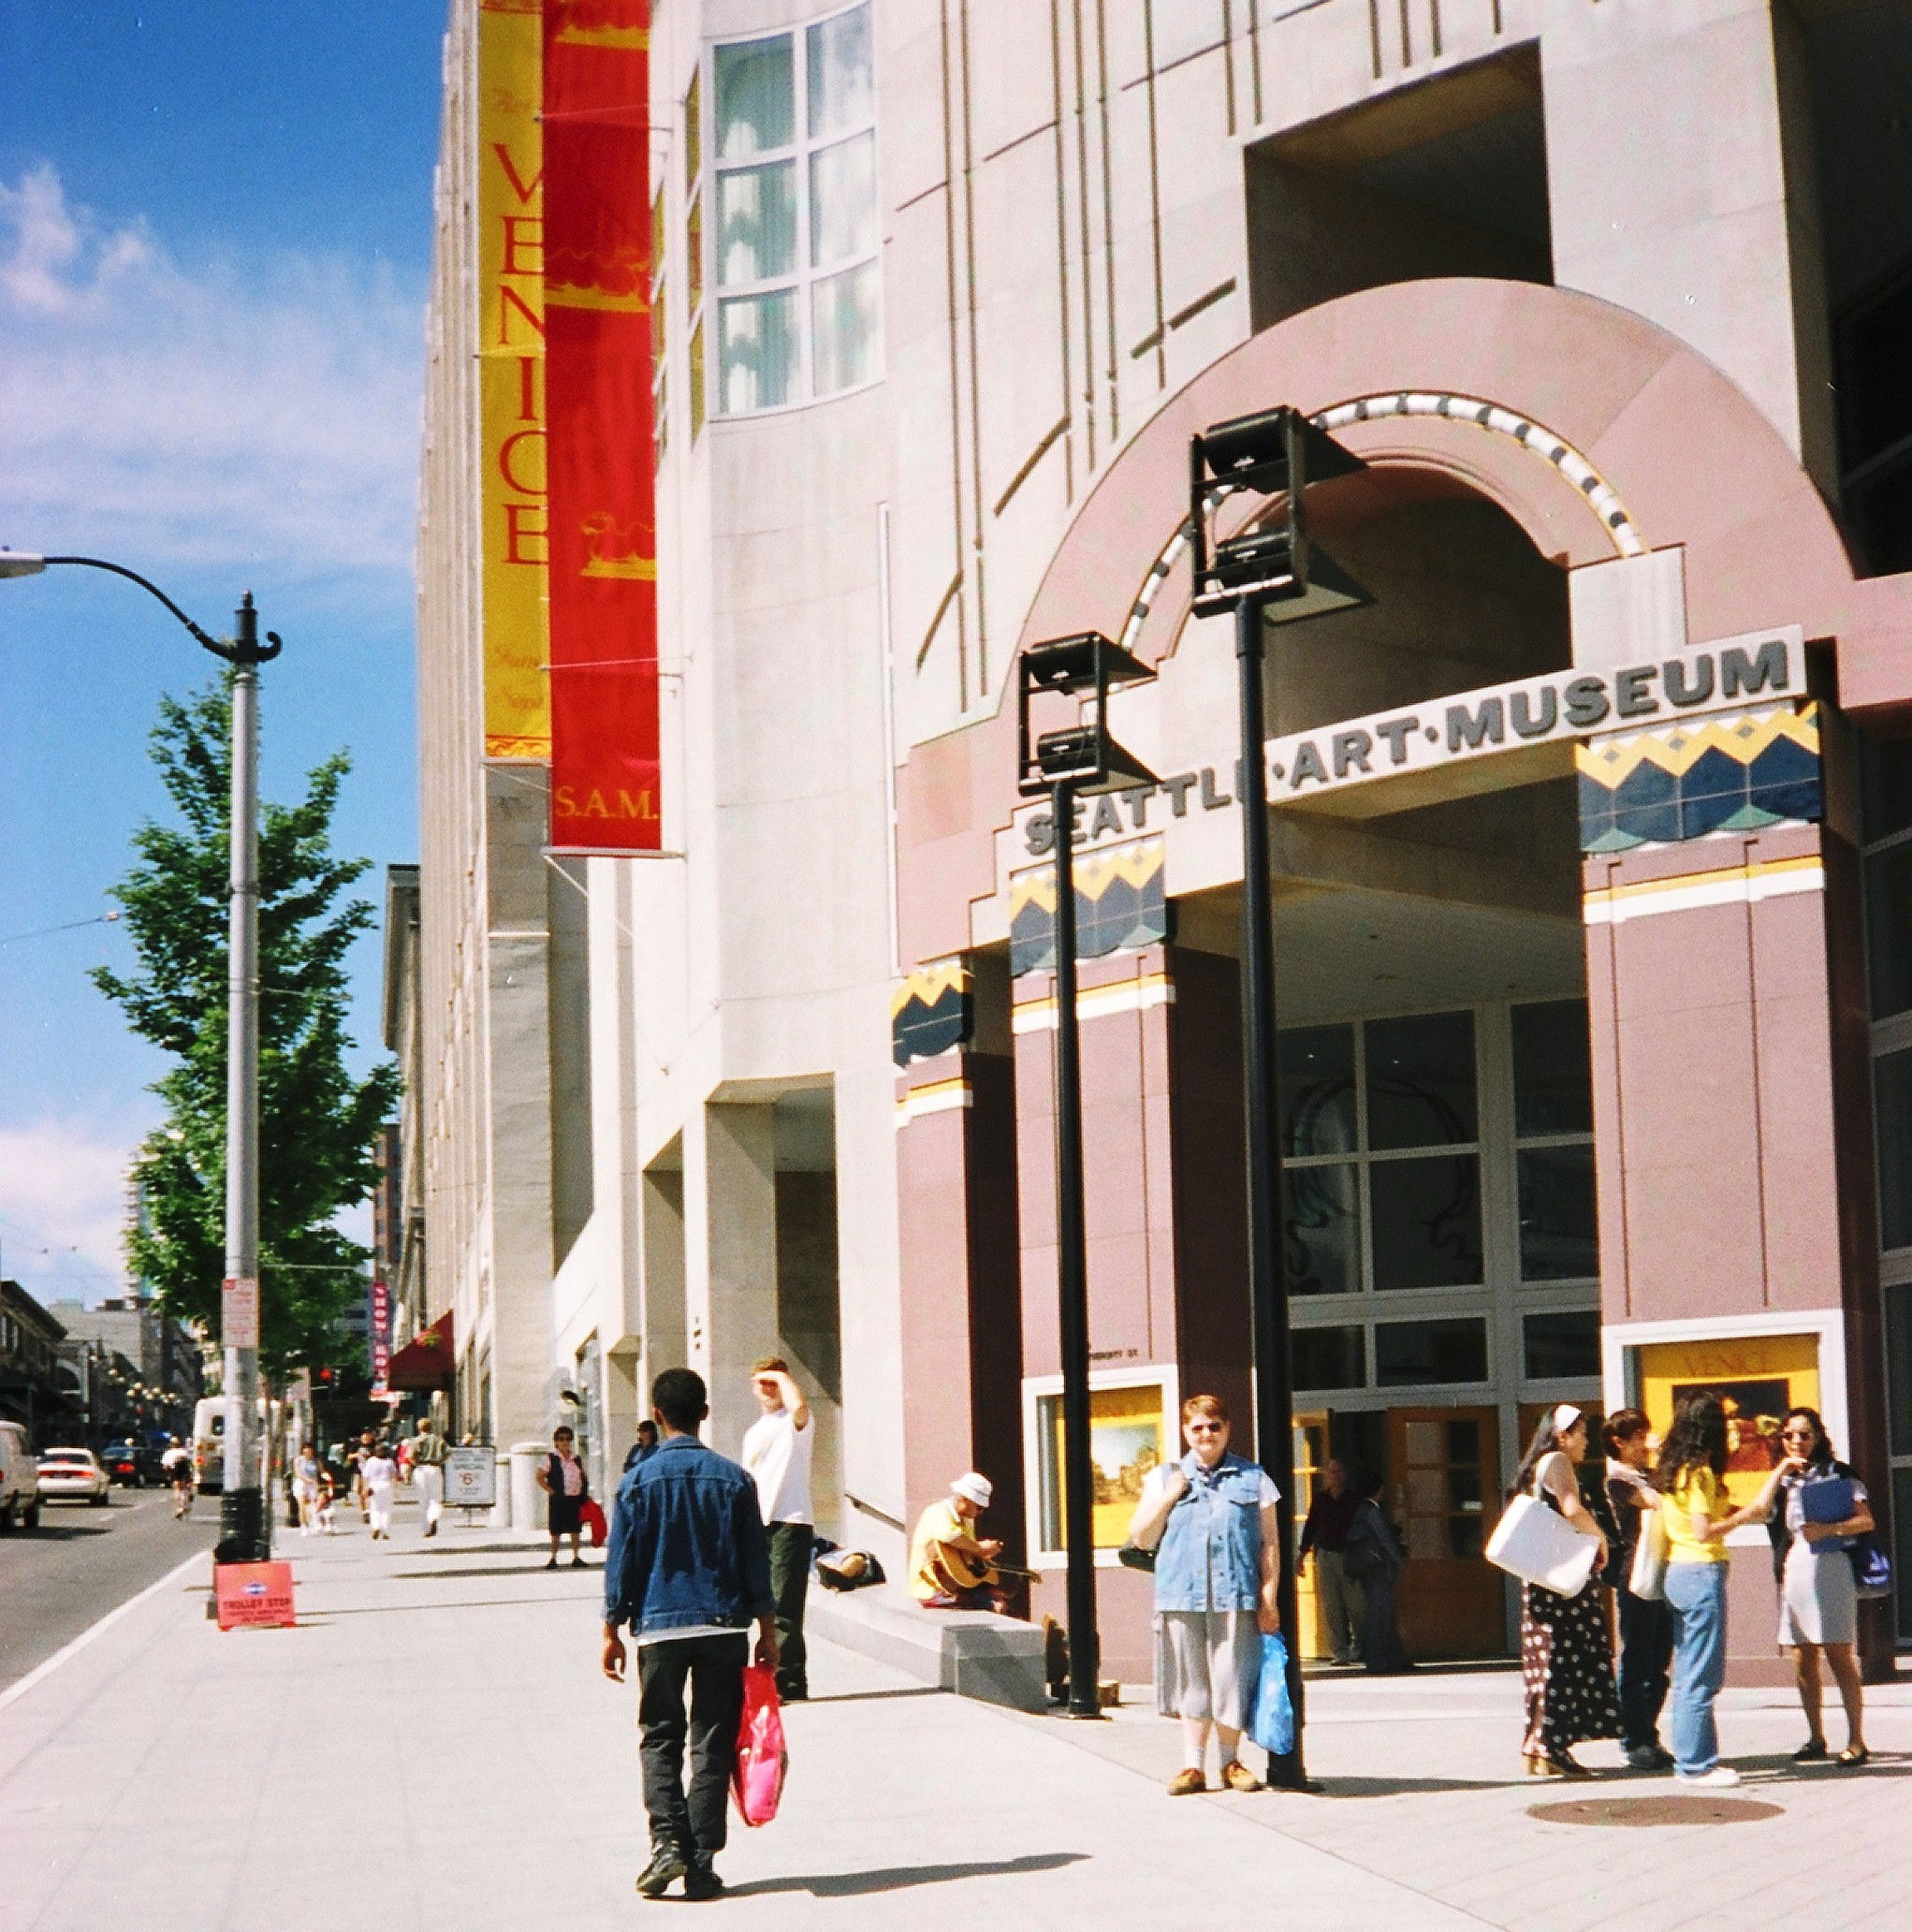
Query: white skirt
(1818, 1602)
(1206, 1664)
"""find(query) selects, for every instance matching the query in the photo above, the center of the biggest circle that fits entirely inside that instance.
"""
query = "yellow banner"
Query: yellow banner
(511, 378)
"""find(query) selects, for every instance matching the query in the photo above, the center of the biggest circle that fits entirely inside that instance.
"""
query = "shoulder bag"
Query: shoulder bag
(1648, 1577)
(1541, 1547)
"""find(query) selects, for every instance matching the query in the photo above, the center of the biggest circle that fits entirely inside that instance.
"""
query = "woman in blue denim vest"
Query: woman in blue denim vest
(1210, 1519)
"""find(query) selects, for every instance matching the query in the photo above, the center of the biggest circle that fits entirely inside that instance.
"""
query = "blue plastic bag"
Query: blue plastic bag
(1271, 1723)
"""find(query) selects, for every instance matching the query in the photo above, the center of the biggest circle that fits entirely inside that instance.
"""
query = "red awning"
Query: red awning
(427, 1361)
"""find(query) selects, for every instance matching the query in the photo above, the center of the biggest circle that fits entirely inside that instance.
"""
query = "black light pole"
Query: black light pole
(1259, 577)
(1080, 759)
(245, 1533)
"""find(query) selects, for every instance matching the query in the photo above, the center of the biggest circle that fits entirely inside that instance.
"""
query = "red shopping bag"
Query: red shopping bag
(593, 1518)
(756, 1779)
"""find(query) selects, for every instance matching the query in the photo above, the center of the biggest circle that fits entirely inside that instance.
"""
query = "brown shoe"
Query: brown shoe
(1185, 1784)
(1239, 1778)
(1539, 1766)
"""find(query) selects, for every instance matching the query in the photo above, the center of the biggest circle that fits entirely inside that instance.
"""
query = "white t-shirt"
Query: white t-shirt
(776, 1453)
(379, 1472)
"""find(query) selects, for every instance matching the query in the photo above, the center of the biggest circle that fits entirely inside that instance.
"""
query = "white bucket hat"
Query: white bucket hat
(974, 1488)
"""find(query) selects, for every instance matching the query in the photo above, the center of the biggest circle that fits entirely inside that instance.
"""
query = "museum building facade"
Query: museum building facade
(1591, 830)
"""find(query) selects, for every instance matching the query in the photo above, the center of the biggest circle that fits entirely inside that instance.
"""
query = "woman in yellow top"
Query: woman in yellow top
(1698, 1517)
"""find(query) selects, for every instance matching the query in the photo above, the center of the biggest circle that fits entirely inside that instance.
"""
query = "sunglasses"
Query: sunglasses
(1206, 1428)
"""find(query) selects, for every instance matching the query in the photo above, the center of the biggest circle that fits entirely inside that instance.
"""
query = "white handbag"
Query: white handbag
(1539, 1546)
(1648, 1577)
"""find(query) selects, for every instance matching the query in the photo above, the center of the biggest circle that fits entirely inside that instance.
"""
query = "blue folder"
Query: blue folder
(1828, 1499)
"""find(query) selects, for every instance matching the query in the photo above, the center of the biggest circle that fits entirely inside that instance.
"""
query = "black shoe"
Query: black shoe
(1812, 1749)
(701, 1880)
(552, 1564)
(666, 1866)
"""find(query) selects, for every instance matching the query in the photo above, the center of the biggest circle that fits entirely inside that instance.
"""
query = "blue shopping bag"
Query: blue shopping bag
(1271, 1723)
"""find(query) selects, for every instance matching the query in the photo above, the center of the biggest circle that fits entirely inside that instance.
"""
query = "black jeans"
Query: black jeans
(1646, 1655)
(713, 1667)
(790, 1545)
(1380, 1636)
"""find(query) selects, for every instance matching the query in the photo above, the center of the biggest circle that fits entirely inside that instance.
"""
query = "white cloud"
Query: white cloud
(264, 409)
(63, 1207)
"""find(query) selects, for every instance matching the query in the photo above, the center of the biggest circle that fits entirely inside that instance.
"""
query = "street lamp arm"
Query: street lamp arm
(245, 650)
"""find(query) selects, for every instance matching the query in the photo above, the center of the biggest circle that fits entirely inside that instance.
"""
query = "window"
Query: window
(1563, 1344)
(1411, 1353)
(694, 246)
(1382, 1174)
(1553, 1124)
(794, 236)
(1330, 1358)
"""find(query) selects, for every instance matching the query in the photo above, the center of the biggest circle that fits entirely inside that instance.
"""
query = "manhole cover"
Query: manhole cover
(1666, 1811)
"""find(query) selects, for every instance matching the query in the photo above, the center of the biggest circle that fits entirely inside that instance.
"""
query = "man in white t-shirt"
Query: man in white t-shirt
(777, 1451)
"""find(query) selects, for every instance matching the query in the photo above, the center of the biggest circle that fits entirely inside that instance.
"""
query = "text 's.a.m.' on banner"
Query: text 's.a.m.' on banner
(513, 486)
(603, 540)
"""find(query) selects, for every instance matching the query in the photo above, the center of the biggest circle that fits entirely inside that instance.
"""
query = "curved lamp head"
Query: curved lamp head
(21, 563)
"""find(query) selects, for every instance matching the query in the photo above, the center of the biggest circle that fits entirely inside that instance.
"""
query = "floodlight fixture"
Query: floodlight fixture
(1083, 755)
(1276, 452)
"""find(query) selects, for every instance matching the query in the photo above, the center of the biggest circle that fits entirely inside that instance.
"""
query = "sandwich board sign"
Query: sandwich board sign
(471, 1477)
(253, 1593)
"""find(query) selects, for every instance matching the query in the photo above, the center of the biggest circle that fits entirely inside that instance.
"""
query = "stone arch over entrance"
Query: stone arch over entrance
(1600, 434)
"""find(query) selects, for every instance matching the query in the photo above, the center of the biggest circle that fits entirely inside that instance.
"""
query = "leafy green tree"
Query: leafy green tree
(316, 1121)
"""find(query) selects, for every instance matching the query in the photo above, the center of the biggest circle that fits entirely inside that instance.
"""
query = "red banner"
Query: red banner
(597, 401)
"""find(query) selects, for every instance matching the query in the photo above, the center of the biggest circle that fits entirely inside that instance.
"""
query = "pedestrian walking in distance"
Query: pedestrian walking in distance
(1566, 1642)
(379, 1472)
(1699, 1518)
(305, 1487)
(1374, 1559)
(1210, 1519)
(777, 1451)
(1323, 1536)
(644, 1447)
(1647, 1625)
(1819, 1601)
(688, 1568)
(562, 1477)
(427, 1473)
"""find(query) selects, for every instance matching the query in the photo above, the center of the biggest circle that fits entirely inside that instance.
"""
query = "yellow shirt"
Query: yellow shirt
(1699, 1492)
(942, 1551)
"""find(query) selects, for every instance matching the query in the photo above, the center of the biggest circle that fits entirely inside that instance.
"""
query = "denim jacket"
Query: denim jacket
(687, 1543)
(1210, 1553)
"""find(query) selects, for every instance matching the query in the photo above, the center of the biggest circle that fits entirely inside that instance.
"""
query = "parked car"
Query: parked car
(70, 1474)
(20, 1484)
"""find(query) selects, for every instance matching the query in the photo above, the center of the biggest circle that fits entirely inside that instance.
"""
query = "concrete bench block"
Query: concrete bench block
(975, 1653)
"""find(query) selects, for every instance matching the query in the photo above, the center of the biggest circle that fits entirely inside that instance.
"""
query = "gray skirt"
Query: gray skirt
(1819, 1602)
(1206, 1664)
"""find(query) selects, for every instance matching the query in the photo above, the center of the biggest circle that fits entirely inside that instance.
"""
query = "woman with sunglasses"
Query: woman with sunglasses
(1819, 1605)
(1210, 1519)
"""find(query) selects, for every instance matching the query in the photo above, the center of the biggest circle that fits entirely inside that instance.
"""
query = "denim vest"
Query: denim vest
(1210, 1553)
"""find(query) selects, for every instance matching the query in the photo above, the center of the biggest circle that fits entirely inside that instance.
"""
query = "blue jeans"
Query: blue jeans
(1696, 1594)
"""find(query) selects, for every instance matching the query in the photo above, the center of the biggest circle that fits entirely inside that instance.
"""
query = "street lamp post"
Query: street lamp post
(244, 1534)
(1077, 761)
(1267, 576)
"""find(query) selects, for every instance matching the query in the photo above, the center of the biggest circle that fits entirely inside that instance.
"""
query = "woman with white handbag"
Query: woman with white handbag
(1566, 1640)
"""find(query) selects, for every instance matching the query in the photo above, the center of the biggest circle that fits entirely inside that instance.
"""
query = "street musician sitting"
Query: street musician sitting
(951, 1568)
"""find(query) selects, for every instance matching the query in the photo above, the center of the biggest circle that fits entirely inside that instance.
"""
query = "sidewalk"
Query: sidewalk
(434, 1746)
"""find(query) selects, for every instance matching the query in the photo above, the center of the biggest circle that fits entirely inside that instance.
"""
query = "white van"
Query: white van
(209, 1443)
(20, 1479)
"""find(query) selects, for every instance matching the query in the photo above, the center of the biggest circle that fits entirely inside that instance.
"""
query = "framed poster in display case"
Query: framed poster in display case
(1133, 1427)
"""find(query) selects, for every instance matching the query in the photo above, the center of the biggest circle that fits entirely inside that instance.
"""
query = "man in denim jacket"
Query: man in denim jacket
(689, 1569)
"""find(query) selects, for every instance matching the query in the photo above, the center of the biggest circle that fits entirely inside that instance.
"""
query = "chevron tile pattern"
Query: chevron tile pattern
(1120, 906)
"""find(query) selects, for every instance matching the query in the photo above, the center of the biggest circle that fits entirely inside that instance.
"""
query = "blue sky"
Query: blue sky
(214, 247)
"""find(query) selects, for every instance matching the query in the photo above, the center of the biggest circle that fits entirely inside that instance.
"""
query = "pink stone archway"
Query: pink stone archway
(1694, 462)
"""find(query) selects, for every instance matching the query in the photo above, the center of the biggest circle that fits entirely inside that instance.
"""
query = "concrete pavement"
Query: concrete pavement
(436, 1742)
